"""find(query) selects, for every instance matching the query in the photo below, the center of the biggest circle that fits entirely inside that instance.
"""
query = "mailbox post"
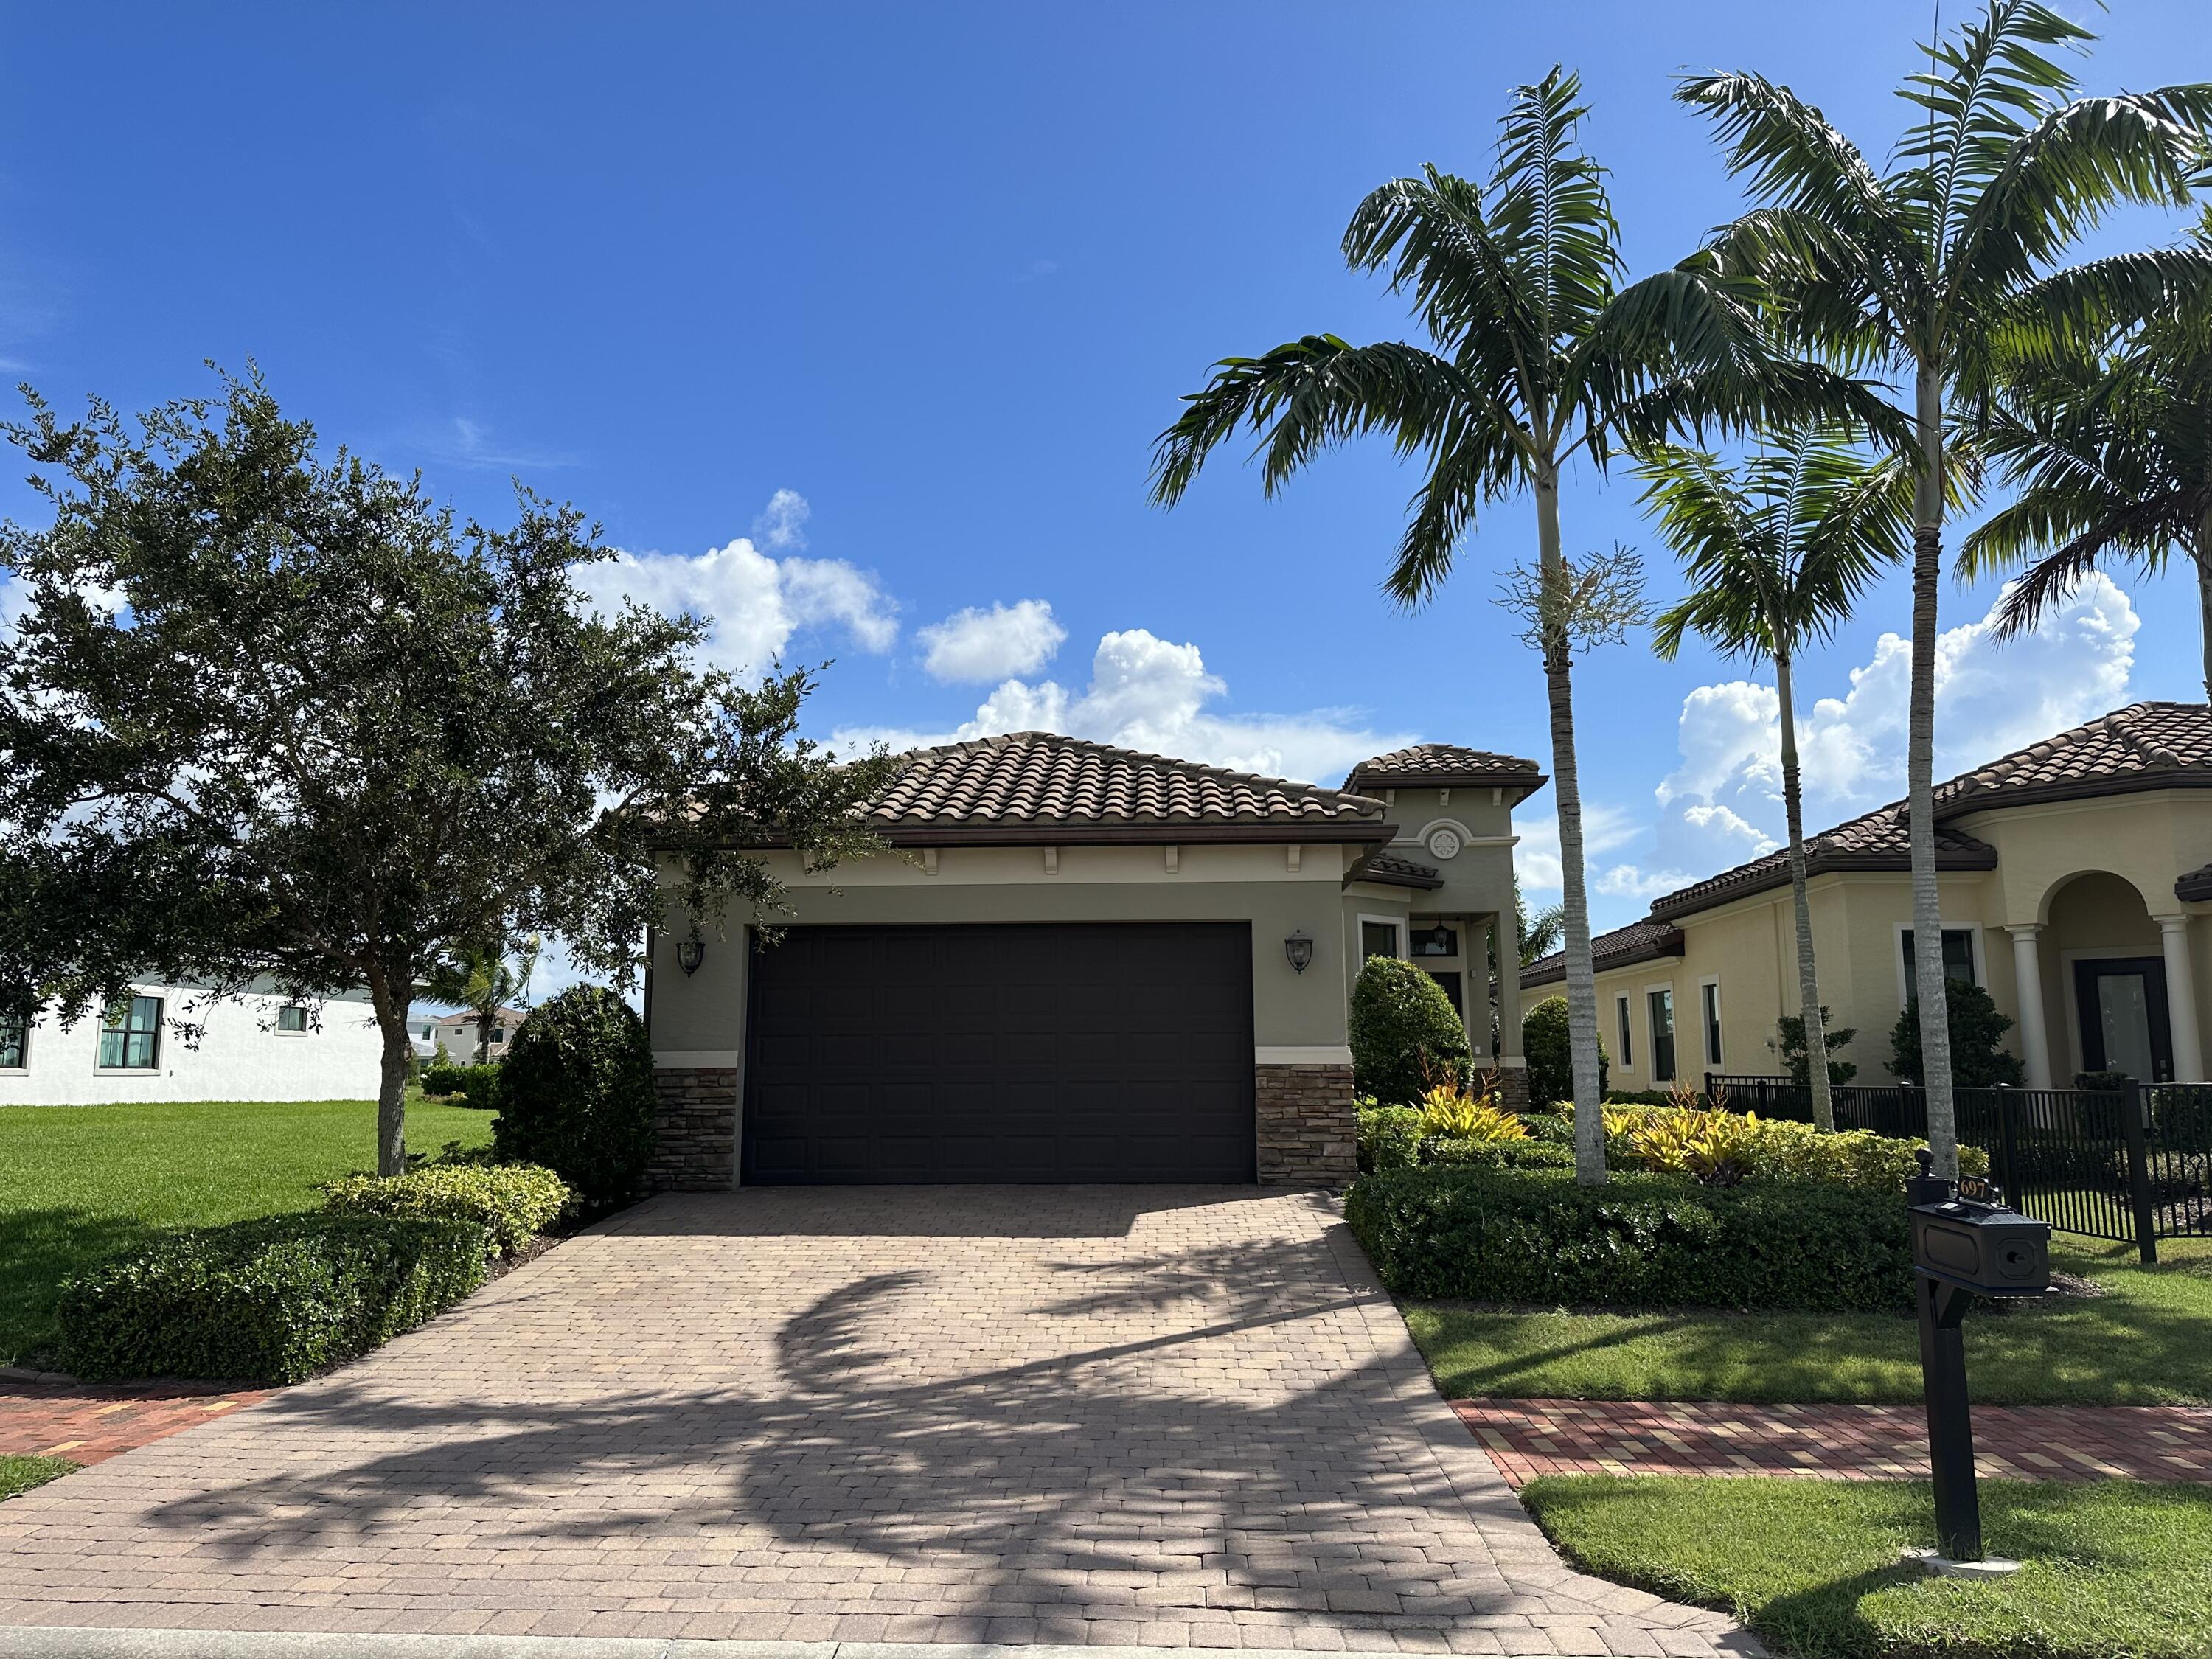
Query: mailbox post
(1966, 1242)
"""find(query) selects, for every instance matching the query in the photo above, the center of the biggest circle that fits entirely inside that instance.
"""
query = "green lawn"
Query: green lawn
(2111, 1570)
(80, 1182)
(19, 1474)
(2148, 1342)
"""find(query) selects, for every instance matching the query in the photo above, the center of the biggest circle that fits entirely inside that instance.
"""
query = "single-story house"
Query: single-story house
(261, 1047)
(2076, 877)
(460, 1036)
(1078, 962)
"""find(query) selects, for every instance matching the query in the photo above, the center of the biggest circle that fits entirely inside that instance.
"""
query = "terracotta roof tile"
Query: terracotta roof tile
(1876, 841)
(1001, 787)
(1443, 765)
(1394, 871)
(1640, 941)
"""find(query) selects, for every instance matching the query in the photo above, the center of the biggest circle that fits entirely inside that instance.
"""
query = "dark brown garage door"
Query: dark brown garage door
(1002, 1054)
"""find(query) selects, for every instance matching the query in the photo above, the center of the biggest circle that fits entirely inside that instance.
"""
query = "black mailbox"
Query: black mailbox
(1984, 1247)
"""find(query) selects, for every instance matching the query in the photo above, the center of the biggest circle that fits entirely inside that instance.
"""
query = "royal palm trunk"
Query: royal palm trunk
(1920, 786)
(1582, 982)
(1808, 981)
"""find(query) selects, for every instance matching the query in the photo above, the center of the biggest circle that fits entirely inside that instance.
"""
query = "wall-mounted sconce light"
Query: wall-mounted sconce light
(690, 953)
(1299, 948)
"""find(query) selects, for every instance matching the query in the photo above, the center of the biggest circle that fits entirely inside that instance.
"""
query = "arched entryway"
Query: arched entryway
(2116, 981)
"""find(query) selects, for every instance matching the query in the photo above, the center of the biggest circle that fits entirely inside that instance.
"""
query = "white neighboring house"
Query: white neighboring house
(459, 1034)
(261, 1047)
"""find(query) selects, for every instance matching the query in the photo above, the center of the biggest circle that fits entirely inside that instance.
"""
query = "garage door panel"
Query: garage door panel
(1091, 1051)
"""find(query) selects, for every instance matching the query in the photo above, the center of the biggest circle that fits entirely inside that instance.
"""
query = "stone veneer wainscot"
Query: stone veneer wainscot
(1309, 1127)
(696, 1149)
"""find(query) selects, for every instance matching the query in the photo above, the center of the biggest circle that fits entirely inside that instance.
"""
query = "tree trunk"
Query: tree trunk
(1808, 981)
(484, 1035)
(2204, 604)
(1920, 787)
(1582, 984)
(391, 1079)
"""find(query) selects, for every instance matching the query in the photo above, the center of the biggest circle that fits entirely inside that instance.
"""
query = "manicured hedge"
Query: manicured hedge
(269, 1301)
(477, 1085)
(1405, 1036)
(512, 1202)
(1642, 1240)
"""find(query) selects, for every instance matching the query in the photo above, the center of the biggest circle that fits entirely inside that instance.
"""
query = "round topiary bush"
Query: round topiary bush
(1543, 1046)
(1406, 1035)
(575, 1094)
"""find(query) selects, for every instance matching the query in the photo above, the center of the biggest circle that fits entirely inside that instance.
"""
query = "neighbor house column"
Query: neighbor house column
(2181, 998)
(2034, 1034)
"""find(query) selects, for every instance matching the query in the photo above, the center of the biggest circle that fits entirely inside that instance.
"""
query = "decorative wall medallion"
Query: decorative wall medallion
(1444, 843)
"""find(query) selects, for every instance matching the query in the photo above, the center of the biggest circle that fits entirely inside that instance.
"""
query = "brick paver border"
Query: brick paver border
(1528, 1437)
(87, 1423)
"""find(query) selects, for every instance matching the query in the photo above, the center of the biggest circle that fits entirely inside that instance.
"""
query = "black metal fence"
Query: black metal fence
(2132, 1166)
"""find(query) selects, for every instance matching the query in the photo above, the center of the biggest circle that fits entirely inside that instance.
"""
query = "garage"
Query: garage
(1049, 1052)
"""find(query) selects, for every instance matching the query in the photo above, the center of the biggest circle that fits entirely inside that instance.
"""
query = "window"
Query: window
(1958, 955)
(1709, 995)
(1450, 984)
(130, 1035)
(1662, 1034)
(14, 1043)
(1437, 941)
(292, 1017)
(1627, 1045)
(1378, 938)
(499, 1033)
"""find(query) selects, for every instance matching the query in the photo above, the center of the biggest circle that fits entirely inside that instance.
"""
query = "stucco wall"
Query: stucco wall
(235, 1060)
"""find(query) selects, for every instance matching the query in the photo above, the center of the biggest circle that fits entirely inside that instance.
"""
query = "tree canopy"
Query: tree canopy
(271, 720)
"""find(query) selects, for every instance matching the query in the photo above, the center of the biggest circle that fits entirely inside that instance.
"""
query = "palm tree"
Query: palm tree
(1935, 268)
(1541, 353)
(1776, 552)
(484, 978)
(2112, 457)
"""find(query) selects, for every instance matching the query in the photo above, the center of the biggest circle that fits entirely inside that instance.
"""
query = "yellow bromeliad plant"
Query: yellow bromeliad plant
(1716, 1148)
(1449, 1113)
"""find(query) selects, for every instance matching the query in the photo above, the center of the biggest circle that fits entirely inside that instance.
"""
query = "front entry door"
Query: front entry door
(2122, 1001)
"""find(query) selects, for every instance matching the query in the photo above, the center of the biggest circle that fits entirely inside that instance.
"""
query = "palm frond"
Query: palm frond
(2060, 177)
(1306, 395)
(1549, 206)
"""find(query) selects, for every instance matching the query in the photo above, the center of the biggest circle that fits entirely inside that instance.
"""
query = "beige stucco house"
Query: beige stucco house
(2076, 886)
(1079, 963)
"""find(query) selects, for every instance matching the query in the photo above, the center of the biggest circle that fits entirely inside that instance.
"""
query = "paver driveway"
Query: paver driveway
(1104, 1415)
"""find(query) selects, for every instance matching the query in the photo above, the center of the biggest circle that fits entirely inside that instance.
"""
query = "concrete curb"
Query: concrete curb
(22, 1642)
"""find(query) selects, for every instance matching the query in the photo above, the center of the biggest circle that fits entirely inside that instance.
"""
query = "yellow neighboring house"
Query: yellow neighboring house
(2076, 886)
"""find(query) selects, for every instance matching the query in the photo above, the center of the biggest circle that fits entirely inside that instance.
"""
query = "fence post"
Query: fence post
(2132, 1126)
(2001, 1103)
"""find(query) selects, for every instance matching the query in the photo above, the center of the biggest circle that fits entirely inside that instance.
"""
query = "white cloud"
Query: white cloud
(976, 647)
(782, 526)
(1151, 694)
(1536, 859)
(1630, 881)
(1723, 802)
(756, 603)
(466, 443)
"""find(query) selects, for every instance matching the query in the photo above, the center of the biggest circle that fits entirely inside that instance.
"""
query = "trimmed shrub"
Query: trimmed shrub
(1405, 1036)
(477, 1085)
(1389, 1137)
(575, 1094)
(512, 1202)
(1980, 1058)
(1536, 1236)
(2106, 1083)
(274, 1300)
(1543, 1045)
(1496, 1155)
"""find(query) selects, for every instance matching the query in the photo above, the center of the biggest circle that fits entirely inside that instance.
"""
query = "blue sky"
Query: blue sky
(901, 294)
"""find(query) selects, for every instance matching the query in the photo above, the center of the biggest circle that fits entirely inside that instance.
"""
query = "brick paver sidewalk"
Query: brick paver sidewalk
(1528, 1437)
(86, 1423)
